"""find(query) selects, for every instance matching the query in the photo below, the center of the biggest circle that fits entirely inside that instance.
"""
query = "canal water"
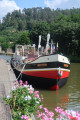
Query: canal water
(68, 97)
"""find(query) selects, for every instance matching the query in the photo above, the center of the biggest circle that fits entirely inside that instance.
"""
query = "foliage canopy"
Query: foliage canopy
(24, 27)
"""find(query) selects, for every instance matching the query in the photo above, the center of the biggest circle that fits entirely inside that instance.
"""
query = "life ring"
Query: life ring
(60, 73)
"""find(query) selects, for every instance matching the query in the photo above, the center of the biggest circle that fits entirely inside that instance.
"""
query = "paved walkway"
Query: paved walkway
(6, 82)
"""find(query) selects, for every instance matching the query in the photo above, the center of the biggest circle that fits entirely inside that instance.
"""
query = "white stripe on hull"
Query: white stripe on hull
(46, 69)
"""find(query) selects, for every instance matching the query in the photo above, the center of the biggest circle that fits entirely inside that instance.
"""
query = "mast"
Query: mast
(47, 44)
(57, 47)
(39, 45)
(51, 46)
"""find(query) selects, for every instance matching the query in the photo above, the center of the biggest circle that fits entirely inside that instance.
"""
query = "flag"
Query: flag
(49, 48)
(53, 48)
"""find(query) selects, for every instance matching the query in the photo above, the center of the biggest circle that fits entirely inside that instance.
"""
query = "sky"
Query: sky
(11, 5)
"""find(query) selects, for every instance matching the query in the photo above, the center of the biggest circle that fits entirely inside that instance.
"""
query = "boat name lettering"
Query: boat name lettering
(40, 65)
(65, 65)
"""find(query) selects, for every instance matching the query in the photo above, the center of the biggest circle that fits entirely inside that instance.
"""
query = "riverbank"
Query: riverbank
(74, 59)
(4, 53)
(7, 78)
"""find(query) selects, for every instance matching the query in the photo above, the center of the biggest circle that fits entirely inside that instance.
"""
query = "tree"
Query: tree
(42, 29)
(24, 38)
(3, 43)
(21, 25)
(64, 32)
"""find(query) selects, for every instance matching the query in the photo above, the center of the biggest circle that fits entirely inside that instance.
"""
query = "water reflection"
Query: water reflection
(64, 100)
(53, 99)
(74, 87)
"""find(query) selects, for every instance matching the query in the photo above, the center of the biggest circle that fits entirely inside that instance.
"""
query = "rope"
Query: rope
(20, 72)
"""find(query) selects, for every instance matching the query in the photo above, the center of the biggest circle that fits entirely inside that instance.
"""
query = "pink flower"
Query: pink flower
(59, 116)
(40, 107)
(24, 117)
(78, 115)
(73, 118)
(21, 82)
(36, 94)
(57, 109)
(16, 86)
(26, 82)
(50, 119)
(38, 111)
(60, 111)
(43, 116)
(46, 110)
(51, 114)
(31, 91)
(39, 115)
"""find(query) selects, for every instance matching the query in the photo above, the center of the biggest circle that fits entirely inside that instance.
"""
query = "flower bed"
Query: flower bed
(24, 102)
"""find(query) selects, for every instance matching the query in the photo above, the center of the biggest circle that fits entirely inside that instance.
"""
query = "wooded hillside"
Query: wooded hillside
(24, 27)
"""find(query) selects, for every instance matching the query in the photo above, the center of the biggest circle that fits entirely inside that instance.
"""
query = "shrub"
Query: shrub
(23, 101)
